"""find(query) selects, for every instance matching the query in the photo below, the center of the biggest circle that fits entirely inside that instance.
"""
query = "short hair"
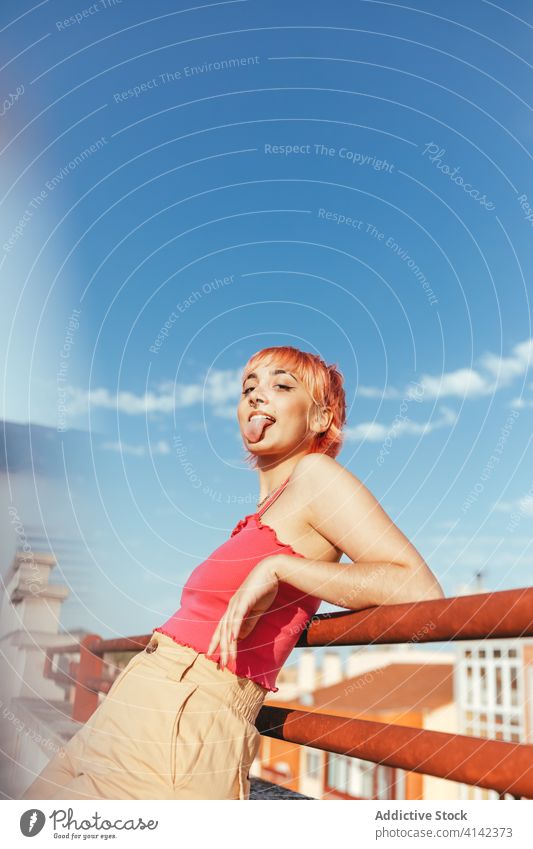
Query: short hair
(325, 384)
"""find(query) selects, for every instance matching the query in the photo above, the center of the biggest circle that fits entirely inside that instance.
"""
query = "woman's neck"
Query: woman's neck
(271, 479)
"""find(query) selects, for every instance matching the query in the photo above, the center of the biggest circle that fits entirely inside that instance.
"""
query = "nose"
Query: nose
(255, 393)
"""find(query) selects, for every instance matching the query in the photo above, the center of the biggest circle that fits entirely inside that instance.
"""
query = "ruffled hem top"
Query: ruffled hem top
(211, 585)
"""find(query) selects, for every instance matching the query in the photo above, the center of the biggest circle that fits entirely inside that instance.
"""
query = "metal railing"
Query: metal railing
(493, 764)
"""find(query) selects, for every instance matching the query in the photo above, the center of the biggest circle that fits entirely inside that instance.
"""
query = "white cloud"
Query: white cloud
(220, 391)
(387, 394)
(447, 524)
(160, 447)
(125, 402)
(523, 505)
(225, 412)
(462, 383)
(218, 387)
(467, 382)
(521, 403)
(376, 432)
(507, 368)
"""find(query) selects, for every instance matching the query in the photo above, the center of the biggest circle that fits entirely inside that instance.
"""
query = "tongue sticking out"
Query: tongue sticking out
(255, 428)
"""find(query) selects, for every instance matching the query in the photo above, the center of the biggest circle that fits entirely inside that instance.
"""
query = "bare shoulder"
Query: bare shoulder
(345, 512)
(311, 476)
(320, 480)
(323, 471)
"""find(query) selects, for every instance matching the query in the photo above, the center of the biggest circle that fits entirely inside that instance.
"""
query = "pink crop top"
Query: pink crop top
(210, 586)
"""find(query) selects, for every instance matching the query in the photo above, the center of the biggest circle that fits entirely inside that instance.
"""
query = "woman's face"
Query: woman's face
(277, 393)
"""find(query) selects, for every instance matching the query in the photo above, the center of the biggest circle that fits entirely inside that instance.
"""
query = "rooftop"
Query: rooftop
(396, 687)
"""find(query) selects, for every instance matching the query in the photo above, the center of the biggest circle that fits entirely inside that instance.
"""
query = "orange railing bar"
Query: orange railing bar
(497, 765)
(496, 615)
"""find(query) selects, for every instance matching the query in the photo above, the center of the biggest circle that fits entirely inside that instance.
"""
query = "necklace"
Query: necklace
(268, 496)
(263, 500)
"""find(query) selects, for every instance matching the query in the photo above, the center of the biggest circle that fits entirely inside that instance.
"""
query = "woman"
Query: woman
(179, 721)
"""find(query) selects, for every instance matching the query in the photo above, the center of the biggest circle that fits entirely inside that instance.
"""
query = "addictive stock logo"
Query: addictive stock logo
(32, 822)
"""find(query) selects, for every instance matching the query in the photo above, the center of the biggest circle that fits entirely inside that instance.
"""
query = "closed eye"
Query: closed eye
(282, 385)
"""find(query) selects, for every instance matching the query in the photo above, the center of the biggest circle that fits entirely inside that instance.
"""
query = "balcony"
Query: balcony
(504, 767)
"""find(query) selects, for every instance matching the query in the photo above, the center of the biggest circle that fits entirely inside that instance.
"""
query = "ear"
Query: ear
(321, 420)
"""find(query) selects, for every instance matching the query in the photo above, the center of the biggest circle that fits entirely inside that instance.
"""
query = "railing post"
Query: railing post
(90, 666)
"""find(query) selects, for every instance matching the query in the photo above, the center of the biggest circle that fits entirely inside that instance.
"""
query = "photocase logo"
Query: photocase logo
(32, 822)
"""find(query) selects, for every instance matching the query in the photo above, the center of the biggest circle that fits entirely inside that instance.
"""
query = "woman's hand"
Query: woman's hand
(252, 599)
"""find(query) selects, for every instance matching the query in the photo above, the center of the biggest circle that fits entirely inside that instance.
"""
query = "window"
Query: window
(399, 787)
(342, 773)
(366, 771)
(499, 686)
(351, 776)
(284, 768)
(384, 782)
(314, 762)
(330, 770)
(337, 772)
(490, 694)
(483, 685)
(469, 685)
(355, 787)
(514, 685)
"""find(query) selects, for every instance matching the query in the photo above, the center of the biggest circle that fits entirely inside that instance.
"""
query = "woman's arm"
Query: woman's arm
(385, 569)
(355, 585)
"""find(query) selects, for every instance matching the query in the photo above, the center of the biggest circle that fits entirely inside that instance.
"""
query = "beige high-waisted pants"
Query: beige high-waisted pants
(172, 726)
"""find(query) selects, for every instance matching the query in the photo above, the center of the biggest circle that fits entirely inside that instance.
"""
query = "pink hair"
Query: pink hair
(324, 384)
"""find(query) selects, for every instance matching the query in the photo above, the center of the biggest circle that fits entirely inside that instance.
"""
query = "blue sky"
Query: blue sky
(352, 179)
